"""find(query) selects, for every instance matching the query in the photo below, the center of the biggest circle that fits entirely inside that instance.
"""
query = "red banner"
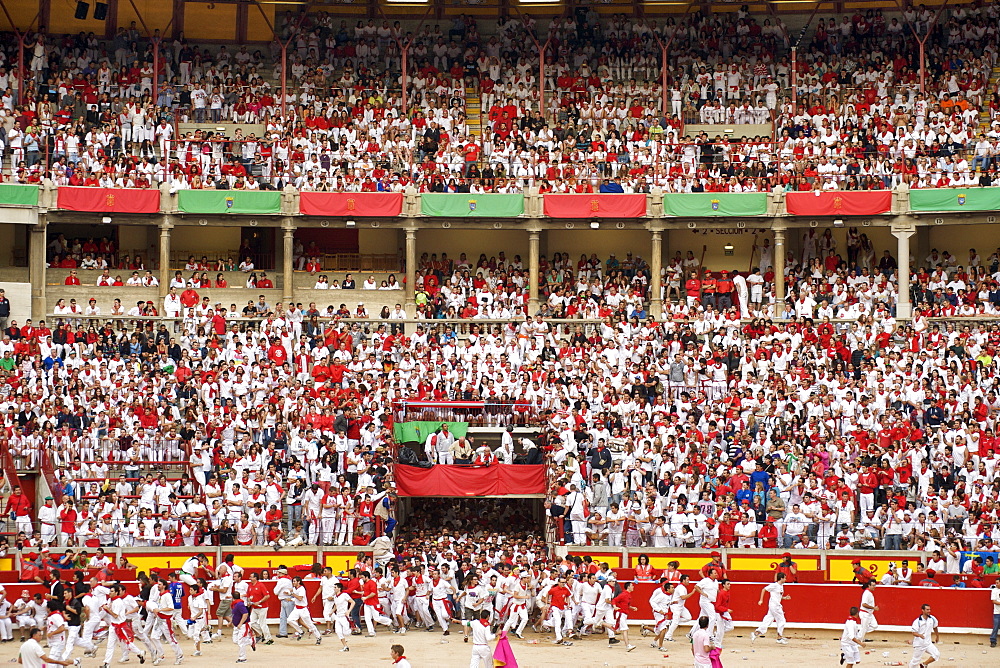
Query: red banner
(839, 202)
(595, 206)
(446, 480)
(109, 200)
(351, 204)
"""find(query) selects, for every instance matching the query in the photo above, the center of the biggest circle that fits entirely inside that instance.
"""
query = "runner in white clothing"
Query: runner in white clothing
(32, 654)
(925, 634)
(301, 612)
(852, 640)
(659, 602)
(708, 587)
(198, 606)
(775, 611)
(161, 607)
(868, 608)
(482, 657)
(678, 610)
(342, 604)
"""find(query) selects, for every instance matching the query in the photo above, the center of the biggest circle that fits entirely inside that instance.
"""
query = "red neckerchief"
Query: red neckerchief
(399, 659)
(856, 619)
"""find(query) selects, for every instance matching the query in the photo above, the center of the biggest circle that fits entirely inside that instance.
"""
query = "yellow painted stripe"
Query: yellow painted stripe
(162, 561)
(274, 560)
(841, 569)
(340, 561)
(7, 564)
(768, 563)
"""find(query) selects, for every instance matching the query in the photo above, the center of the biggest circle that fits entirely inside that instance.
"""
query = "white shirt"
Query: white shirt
(925, 627)
(283, 589)
(342, 605)
(710, 589)
(659, 601)
(868, 599)
(680, 591)
(326, 584)
(481, 633)
(775, 590)
(31, 654)
(851, 631)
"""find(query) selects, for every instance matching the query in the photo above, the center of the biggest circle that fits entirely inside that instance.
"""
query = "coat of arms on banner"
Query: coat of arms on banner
(229, 202)
(961, 199)
(109, 200)
(595, 205)
(352, 204)
(838, 203)
(715, 205)
(472, 205)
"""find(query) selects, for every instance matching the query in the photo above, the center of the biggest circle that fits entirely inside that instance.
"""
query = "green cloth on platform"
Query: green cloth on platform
(955, 199)
(714, 204)
(408, 432)
(493, 205)
(229, 201)
(19, 195)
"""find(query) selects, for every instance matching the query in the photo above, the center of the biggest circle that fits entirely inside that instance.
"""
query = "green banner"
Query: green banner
(955, 199)
(463, 204)
(229, 201)
(11, 193)
(714, 204)
(408, 432)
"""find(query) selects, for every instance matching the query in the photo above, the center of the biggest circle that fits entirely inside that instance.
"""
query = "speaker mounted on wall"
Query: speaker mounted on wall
(100, 11)
(82, 9)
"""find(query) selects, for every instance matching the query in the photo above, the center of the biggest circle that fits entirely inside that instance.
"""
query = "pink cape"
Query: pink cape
(503, 655)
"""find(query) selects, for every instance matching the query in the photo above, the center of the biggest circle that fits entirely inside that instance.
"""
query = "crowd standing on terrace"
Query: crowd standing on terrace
(859, 119)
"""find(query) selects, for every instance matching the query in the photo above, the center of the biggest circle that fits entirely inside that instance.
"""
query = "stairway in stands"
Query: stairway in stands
(473, 112)
(984, 110)
(9, 467)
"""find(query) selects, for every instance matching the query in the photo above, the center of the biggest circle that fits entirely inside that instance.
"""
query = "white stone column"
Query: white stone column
(904, 309)
(534, 241)
(411, 270)
(288, 262)
(779, 271)
(655, 280)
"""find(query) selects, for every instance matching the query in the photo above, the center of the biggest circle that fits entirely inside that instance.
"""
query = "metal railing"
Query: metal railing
(477, 413)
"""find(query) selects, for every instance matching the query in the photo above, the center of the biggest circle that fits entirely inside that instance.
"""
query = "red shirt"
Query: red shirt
(256, 592)
(370, 590)
(722, 601)
(558, 596)
(277, 354)
(622, 602)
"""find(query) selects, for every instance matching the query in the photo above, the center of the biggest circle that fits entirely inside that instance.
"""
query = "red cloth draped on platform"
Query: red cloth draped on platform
(447, 480)
(109, 200)
(351, 204)
(839, 203)
(595, 206)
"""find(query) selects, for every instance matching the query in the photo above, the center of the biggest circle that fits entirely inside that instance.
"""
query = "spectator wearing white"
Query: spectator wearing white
(172, 304)
(440, 445)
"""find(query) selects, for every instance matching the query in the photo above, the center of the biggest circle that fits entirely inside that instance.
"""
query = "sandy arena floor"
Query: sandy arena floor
(425, 650)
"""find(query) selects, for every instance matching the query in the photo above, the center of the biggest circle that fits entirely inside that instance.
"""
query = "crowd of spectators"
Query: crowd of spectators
(732, 420)
(860, 120)
(841, 420)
